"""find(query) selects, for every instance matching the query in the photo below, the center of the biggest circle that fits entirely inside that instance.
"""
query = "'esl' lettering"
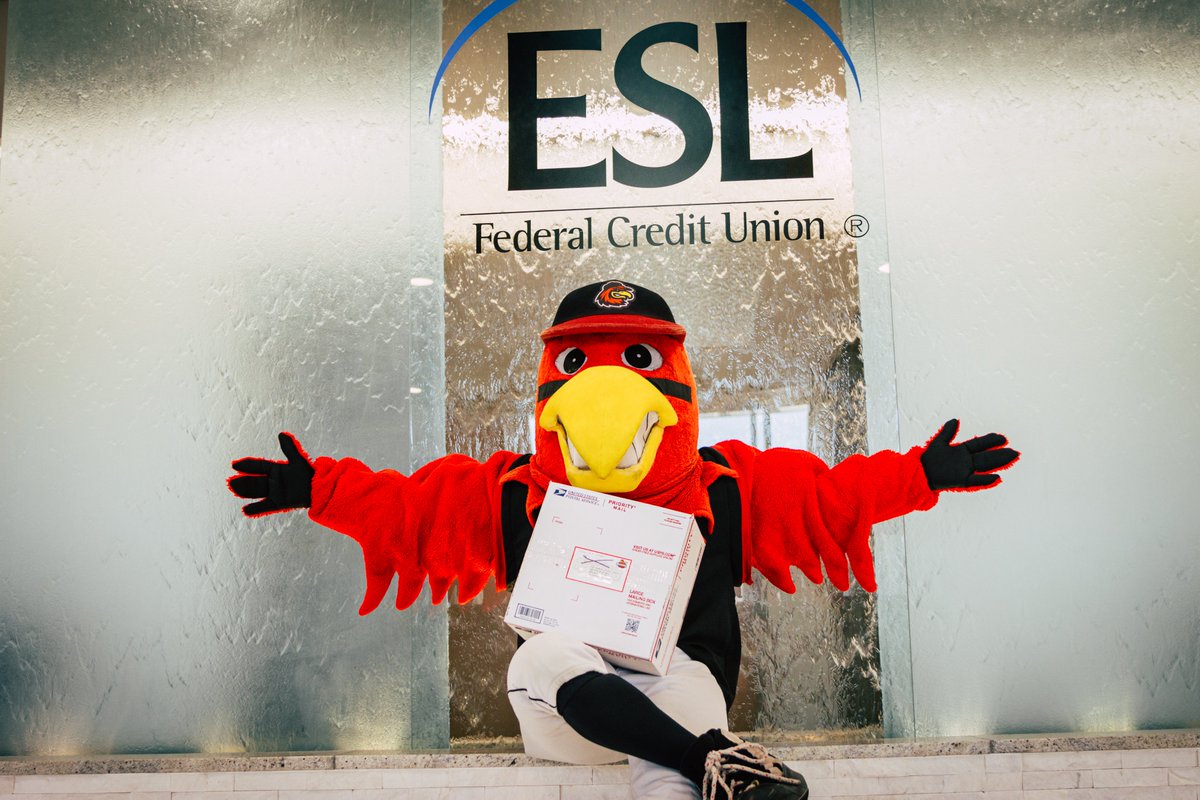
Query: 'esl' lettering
(670, 102)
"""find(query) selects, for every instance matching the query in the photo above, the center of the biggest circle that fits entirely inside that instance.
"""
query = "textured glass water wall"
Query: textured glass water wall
(1065, 308)
(762, 273)
(207, 235)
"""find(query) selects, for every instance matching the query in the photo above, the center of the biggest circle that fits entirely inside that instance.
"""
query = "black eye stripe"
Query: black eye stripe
(668, 387)
(672, 388)
(548, 388)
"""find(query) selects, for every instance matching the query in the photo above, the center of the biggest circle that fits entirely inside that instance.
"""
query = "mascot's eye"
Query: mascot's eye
(570, 361)
(642, 356)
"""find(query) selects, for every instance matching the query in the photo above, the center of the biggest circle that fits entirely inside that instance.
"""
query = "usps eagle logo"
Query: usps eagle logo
(615, 294)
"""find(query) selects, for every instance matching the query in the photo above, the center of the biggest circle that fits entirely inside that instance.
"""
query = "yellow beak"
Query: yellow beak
(610, 422)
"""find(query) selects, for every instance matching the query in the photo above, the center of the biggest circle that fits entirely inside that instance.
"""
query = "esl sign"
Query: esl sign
(643, 90)
(583, 140)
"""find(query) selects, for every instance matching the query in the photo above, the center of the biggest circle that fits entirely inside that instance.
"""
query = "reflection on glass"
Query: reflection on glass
(782, 427)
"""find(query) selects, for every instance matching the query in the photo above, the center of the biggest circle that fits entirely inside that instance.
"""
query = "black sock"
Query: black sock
(691, 766)
(609, 711)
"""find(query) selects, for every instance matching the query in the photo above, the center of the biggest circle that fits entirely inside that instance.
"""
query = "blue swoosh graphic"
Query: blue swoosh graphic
(808, 11)
(496, 6)
(482, 18)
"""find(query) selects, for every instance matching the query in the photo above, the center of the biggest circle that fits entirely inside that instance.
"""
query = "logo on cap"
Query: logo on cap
(615, 294)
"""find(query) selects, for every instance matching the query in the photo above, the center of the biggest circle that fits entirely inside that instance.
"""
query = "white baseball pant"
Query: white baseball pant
(688, 693)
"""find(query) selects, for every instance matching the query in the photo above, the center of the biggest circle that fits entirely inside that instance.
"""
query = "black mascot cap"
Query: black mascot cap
(613, 307)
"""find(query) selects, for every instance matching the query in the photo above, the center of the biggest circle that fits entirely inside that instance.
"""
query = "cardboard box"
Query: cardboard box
(614, 573)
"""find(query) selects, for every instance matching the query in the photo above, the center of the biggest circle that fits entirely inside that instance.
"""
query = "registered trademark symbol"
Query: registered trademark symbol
(857, 226)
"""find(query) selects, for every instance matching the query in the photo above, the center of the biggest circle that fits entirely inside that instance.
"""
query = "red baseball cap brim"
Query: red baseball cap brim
(624, 323)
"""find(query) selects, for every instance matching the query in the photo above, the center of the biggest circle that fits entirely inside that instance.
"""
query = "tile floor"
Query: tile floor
(1143, 774)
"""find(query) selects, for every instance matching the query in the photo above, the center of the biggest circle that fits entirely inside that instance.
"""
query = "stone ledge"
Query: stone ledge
(510, 756)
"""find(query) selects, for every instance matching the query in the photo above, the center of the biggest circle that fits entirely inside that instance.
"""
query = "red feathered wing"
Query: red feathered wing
(796, 511)
(442, 523)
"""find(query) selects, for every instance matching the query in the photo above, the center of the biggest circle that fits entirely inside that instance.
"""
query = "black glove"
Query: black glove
(966, 465)
(282, 485)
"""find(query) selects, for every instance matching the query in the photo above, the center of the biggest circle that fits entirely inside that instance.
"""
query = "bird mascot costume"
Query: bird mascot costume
(616, 412)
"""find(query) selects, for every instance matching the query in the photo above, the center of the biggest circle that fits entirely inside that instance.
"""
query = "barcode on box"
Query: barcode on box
(528, 612)
(631, 625)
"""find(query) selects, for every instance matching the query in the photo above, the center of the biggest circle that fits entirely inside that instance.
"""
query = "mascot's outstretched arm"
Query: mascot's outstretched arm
(796, 511)
(616, 412)
(439, 524)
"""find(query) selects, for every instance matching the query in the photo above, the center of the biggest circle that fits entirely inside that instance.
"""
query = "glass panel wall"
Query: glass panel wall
(1041, 162)
(219, 220)
(207, 228)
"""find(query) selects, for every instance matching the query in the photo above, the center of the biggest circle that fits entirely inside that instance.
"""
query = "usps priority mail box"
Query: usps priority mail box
(611, 572)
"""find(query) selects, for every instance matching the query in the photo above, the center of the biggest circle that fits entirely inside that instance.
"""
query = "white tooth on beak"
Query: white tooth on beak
(630, 459)
(576, 459)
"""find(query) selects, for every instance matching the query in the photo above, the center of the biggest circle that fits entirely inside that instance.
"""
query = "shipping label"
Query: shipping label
(599, 569)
